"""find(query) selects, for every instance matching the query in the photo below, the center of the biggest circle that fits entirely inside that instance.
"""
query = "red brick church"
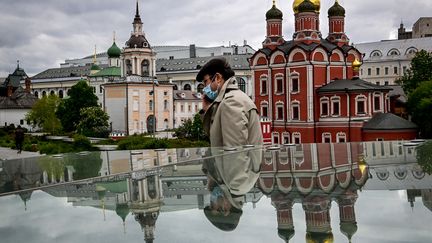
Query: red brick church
(308, 90)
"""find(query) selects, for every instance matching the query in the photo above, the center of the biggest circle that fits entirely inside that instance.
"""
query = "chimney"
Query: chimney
(9, 90)
(27, 85)
(192, 51)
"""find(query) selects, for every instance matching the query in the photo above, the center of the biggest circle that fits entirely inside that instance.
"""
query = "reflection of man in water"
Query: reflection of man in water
(229, 179)
(19, 138)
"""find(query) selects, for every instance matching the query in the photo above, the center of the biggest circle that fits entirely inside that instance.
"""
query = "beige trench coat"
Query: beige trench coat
(232, 119)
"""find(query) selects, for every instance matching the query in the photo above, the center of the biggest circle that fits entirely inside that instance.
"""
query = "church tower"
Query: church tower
(274, 19)
(336, 15)
(114, 54)
(307, 27)
(138, 58)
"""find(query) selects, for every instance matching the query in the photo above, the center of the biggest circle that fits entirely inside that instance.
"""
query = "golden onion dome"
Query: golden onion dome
(356, 64)
(296, 3)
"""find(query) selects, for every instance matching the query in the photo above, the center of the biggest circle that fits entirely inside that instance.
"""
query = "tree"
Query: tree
(424, 157)
(80, 96)
(94, 122)
(420, 71)
(191, 129)
(420, 107)
(43, 114)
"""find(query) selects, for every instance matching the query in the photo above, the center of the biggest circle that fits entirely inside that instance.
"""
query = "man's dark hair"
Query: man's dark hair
(216, 65)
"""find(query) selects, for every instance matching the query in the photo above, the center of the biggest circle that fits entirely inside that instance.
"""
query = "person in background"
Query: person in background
(19, 138)
(230, 117)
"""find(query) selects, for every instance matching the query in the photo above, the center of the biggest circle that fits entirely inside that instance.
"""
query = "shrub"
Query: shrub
(82, 143)
(424, 157)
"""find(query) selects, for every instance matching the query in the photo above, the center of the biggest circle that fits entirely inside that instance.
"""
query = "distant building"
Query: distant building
(186, 104)
(136, 102)
(15, 101)
(421, 28)
(386, 61)
(182, 72)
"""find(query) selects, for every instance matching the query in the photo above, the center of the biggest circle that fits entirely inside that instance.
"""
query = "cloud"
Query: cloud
(42, 34)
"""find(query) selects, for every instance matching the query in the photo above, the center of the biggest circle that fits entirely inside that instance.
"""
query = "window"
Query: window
(151, 105)
(377, 83)
(128, 67)
(395, 70)
(165, 93)
(61, 95)
(393, 52)
(278, 84)
(386, 82)
(377, 102)
(165, 104)
(335, 106)
(275, 137)
(404, 69)
(386, 70)
(296, 138)
(21, 122)
(200, 87)
(171, 57)
(182, 108)
(135, 105)
(242, 85)
(326, 138)
(361, 105)
(166, 123)
(296, 111)
(43, 93)
(100, 89)
(279, 112)
(263, 87)
(378, 71)
(286, 138)
(187, 87)
(341, 137)
(369, 71)
(324, 107)
(189, 108)
(36, 94)
(264, 109)
(295, 85)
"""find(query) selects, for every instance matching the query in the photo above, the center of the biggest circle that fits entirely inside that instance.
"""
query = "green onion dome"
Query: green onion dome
(307, 6)
(274, 13)
(114, 51)
(336, 10)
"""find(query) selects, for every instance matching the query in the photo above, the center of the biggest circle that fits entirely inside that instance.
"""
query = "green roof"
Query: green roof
(95, 67)
(336, 10)
(114, 51)
(108, 72)
(388, 121)
(274, 13)
(307, 6)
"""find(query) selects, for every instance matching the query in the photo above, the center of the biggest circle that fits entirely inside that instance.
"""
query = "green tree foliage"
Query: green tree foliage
(424, 157)
(94, 122)
(191, 129)
(85, 165)
(43, 114)
(80, 96)
(420, 71)
(420, 107)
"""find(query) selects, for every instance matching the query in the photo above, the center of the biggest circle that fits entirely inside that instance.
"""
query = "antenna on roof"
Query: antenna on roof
(17, 63)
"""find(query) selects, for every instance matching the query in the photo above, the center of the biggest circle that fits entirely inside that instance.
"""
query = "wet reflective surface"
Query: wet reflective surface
(363, 192)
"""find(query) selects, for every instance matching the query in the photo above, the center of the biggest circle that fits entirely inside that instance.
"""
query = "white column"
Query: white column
(310, 93)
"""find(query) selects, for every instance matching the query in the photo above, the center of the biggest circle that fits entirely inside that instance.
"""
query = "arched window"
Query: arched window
(341, 137)
(326, 137)
(280, 111)
(165, 104)
(175, 87)
(279, 81)
(166, 123)
(295, 111)
(264, 109)
(393, 52)
(145, 70)
(43, 93)
(296, 138)
(36, 94)
(335, 106)
(360, 105)
(128, 67)
(263, 85)
(275, 138)
(200, 87)
(242, 85)
(376, 53)
(295, 84)
(411, 51)
(187, 87)
(286, 138)
(60, 94)
(52, 92)
(324, 106)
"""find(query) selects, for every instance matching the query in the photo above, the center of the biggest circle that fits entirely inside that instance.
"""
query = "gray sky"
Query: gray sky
(43, 33)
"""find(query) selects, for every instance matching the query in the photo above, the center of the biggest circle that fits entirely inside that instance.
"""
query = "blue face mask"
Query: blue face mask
(209, 92)
(215, 194)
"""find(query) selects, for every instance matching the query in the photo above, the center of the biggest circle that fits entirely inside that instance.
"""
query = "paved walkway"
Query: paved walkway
(7, 153)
